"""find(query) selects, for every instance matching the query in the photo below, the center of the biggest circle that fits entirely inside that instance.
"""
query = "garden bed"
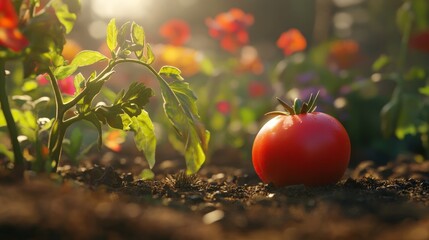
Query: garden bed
(387, 202)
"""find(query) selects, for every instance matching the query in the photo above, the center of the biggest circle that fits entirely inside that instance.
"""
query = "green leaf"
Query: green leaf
(420, 9)
(144, 136)
(87, 57)
(415, 73)
(138, 94)
(180, 108)
(66, 18)
(138, 38)
(6, 152)
(27, 124)
(115, 121)
(186, 97)
(207, 67)
(29, 86)
(147, 174)
(56, 59)
(94, 88)
(79, 82)
(76, 138)
(424, 90)
(15, 113)
(247, 115)
(123, 34)
(150, 56)
(404, 17)
(171, 71)
(112, 35)
(64, 71)
(381, 62)
(410, 108)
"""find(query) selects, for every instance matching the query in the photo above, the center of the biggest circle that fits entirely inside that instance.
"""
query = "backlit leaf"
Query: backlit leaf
(404, 17)
(123, 34)
(73, 149)
(15, 113)
(150, 56)
(66, 18)
(112, 35)
(29, 86)
(408, 116)
(424, 90)
(144, 136)
(381, 62)
(180, 108)
(138, 38)
(87, 57)
(6, 152)
(171, 71)
(420, 8)
(79, 81)
(147, 174)
(64, 71)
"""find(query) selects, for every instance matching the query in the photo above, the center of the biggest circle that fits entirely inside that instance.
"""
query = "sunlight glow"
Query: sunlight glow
(97, 29)
(120, 9)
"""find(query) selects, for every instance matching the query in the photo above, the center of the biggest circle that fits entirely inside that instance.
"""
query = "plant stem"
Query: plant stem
(13, 132)
(58, 130)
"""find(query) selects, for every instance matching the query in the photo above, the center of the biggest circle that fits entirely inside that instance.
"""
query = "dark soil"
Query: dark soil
(371, 202)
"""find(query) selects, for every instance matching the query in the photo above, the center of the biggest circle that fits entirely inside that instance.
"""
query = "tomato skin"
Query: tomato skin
(310, 148)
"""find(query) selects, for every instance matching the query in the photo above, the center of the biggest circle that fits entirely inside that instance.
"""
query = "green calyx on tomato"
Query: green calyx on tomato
(299, 107)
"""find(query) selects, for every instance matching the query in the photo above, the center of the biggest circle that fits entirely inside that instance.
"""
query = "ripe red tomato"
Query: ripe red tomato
(310, 148)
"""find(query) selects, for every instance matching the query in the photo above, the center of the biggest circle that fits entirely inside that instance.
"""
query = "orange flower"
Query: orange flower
(291, 42)
(186, 59)
(70, 49)
(177, 32)
(420, 41)
(344, 53)
(10, 36)
(113, 140)
(231, 28)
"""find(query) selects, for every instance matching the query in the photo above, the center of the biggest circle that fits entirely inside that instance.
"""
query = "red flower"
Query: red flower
(66, 85)
(420, 41)
(344, 53)
(10, 36)
(291, 41)
(257, 89)
(177, 32)
(223, 107)
(231, 28)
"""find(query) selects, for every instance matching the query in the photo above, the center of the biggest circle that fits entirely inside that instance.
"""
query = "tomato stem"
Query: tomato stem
(298, 107)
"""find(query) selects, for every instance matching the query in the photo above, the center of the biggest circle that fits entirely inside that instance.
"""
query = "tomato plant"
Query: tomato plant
(300, 146)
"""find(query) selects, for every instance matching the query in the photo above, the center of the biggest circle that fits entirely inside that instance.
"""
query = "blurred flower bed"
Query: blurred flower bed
(377, 86)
